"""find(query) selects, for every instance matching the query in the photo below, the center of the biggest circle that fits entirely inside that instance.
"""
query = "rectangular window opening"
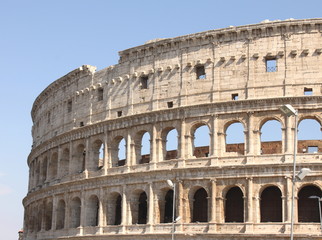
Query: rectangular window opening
(312, 149)
(271, 65)
(308, 91)
(100, 93)
(119, 113)
(234, 96)
(200, 71)
(81, 124)
(69, 106)
(144, 82)
(170, 104)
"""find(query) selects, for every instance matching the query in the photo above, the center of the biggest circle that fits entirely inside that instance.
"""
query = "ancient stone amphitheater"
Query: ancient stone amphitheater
(101, 155)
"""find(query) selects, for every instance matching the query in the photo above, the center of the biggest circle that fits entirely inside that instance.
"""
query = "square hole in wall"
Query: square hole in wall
(312, 149)
(119, 113)
(200, 71)
(308, 91)
(234, 96)
(170, 104)
(271, 64)
(144, 82)
(81, 124)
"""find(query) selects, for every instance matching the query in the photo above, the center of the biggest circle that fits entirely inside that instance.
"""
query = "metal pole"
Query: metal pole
(293, 178)
(173, 209)
(319, 199)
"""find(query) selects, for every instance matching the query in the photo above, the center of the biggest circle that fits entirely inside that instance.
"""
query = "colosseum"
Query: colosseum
(118, 153)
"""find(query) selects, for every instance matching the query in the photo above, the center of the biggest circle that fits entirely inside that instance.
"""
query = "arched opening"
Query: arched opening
(234, 205)
(308, 208)
(64, 163)
(145, 148)
(60, 218)
(39, 218)
(121, 152)
(143, 209)
(75, 212)
(118, 210)
(48, 215)
(78, 164)
(201, 141)
(200, 206)
(168, 207)
(309, 136)
(235, 139)
(271, 137)
(53, 165)
(92, 211)
(271, 205)
(170, 143)
(44, 167)
(98, 155)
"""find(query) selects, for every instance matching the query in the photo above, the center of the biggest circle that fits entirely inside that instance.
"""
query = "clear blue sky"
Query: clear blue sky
(41, 41)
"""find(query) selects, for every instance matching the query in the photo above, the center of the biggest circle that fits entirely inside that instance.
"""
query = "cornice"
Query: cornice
(240, 33)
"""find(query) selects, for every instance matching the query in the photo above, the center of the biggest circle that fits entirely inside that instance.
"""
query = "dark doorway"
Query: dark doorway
(143, 209)
(271, 205)
(234, 207)
(118, 210)
(308, 208)
(168, 209)
(200, 206)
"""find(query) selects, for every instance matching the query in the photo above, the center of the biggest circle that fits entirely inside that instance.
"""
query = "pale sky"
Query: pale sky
(40, 41)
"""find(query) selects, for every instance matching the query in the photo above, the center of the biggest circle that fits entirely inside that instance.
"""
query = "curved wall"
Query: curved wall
(80, 186)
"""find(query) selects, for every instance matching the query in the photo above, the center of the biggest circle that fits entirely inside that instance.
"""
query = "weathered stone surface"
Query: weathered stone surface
(80, 187)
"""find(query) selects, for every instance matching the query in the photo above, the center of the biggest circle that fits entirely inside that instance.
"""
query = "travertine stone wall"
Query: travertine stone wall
(214, 79)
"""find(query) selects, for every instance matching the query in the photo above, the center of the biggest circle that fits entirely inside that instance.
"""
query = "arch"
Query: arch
(169, 138)
(118, 210)
(271, 137)
(92, 211)
(78, 160)
(309, 135)
(64, 163)
(200, 206)
(118, 151)
(200, 140)
(234, 205)
(75, 212)
(271, 204)
(97, 160)
(48, 215)
(143, 208)
(53, 166)
(168, 207)
(43, 170)
(142, 147)
(235, 137)
(308, 208)
(60, 217)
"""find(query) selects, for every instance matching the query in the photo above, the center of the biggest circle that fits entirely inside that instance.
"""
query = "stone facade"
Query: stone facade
(80, 186)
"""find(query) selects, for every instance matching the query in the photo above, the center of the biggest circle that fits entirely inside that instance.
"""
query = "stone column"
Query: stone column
(213, 189)
(212, 147)
(289, 135)
(220, 210)
(150, 205)
(288, 201)
(250, 143)
(154, 158)
(106, 161)
(101, 211)
(129, 152)
(249, 204)
(67, 211)
(179, 202)
(70, 161)
(59, 172)
(125, 208)
(182, 141)
(54, 213)
(83, 212)
(257, 209)
(87, 156)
